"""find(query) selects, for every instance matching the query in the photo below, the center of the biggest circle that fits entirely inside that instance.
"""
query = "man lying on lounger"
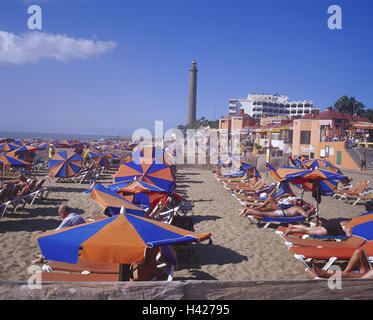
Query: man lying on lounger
(270, 204)
(332, 227)
(305, 210)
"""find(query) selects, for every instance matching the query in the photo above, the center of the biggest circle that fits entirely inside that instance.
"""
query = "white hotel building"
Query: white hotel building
(256, 105)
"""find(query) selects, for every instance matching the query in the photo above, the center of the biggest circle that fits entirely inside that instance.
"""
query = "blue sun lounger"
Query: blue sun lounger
(268, 220)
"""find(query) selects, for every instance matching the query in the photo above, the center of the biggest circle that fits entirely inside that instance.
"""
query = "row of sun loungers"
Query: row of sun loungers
(89, 175)
(35, 191)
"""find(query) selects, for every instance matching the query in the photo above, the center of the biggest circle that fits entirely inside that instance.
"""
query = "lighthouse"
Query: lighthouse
(192, 101)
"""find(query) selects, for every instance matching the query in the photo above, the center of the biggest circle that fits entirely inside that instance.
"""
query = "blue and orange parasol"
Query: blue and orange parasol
(119, 239)
(106, 197)
(65, 164)
(161, 175)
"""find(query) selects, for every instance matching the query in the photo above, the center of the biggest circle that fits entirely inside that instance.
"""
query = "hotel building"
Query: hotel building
(256, 105)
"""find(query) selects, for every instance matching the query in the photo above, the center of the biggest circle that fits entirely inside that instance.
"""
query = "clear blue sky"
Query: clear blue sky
(141, 71)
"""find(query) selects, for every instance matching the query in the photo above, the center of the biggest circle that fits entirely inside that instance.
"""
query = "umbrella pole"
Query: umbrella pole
(317, 201)
(124, 272)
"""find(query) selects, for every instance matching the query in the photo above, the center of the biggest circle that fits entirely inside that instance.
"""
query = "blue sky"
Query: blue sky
(109, 67)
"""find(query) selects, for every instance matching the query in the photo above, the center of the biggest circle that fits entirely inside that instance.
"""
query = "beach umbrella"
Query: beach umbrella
(41, 145)
(326, 187)
(321, 163)
(313, 163)
(99, 158)
(331, 167)
(134, 186)
(114, 147)
(161, 175)
(111, 155)
(65, 164)
(9, 160)
(121, 239)
(299, 176)
(106, 197)
(363, 230)
(230, 161)
(6, 147)
(66, 144)
(273, 173)
(363, 218)
(94, 154)
(250, 169)
(151, 153)
(23, 149)
(141, 193)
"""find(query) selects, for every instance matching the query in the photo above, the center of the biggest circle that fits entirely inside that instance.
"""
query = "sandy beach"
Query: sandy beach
(239, 250)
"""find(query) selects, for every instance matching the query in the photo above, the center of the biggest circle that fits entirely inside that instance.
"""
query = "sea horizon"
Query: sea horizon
(49, 135)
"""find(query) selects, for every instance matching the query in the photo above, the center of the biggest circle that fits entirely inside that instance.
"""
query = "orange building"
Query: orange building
(323, 136)
(239, 123)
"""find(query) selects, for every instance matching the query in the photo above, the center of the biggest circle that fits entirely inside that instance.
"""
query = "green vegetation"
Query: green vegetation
(199, 123)
(352, 106)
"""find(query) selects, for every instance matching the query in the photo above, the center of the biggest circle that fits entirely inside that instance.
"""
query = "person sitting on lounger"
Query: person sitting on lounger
(70, 219)
(358, 262)
(304, 210)
(20, 183)
(332, 227)
(6, 193)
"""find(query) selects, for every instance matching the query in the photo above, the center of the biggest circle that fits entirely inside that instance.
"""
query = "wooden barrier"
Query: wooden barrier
(350, 289)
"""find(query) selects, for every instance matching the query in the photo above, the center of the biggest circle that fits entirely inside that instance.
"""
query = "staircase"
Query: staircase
(356, 152)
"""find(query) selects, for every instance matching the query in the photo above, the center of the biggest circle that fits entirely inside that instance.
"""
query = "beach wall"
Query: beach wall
(350, 289)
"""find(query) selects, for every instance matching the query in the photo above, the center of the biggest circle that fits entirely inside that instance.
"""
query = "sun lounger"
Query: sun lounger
(258, 220)
(241, 188)
(306, 255)
(282, 231)
(6, 206)
(81, 266)
(165, 216)
(359, 189)
(294, 241)
(269, 191)
(250, 185)
(102, 271)
(364, 196)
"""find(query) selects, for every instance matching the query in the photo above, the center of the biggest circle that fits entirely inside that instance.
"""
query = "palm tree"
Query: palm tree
(349, 105)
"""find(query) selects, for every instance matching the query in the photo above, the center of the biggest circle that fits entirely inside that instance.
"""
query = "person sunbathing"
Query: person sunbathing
(358, 262)
(332, 227)
(304, 210)
(271, 204)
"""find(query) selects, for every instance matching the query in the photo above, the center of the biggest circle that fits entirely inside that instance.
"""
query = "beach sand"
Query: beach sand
(239, 250)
